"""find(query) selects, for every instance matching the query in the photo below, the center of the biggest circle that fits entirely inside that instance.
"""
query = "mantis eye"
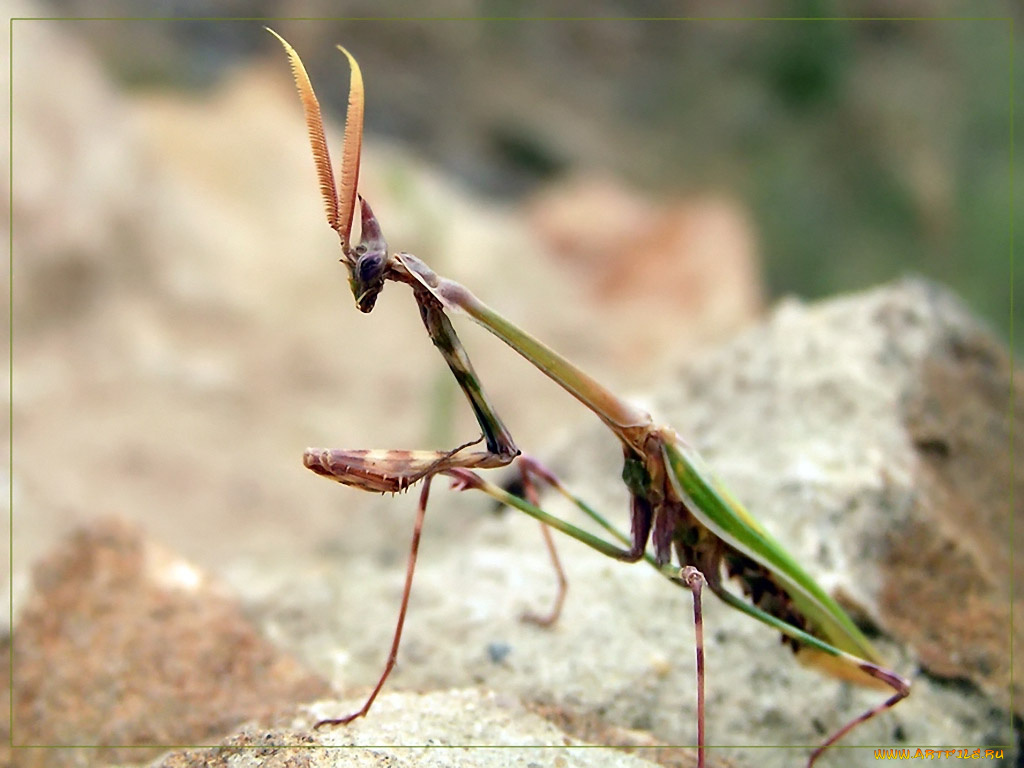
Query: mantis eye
(367, 278)
(369, 268)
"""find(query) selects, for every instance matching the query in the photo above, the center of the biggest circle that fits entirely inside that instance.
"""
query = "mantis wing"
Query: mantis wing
(716, 509)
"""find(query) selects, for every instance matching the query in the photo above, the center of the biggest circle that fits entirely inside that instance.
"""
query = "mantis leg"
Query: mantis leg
(899, 684)
(421, 510)
(695, 581)
(533, 467)
(689, 577)
(901, 693)
(464, 479)
(393, 471)
(545, 620)
(685, 577)
(496, 435)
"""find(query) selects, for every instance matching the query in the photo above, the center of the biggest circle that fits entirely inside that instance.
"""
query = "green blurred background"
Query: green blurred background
(864, 149)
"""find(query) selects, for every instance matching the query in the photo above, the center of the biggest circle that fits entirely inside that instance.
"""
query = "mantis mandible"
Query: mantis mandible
(676, 504)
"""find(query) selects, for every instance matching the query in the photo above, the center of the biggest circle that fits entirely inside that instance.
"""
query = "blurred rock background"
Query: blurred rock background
(632, 192)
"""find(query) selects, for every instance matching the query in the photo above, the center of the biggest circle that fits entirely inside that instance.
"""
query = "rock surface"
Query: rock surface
(464, 727)
(123, 643)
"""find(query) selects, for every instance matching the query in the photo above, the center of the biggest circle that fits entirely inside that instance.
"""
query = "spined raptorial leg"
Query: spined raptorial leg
(421, 510)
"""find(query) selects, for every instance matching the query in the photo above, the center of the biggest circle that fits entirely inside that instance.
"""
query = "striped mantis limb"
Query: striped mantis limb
(676, 505)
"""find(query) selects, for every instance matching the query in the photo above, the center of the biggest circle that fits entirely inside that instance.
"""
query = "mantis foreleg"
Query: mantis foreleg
(496, 436)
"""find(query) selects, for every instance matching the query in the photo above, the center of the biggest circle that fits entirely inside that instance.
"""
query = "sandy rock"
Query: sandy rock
(123, 643)
(465, 727)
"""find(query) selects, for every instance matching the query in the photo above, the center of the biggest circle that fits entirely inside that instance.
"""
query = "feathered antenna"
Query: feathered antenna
(351, 150)
(340, 210)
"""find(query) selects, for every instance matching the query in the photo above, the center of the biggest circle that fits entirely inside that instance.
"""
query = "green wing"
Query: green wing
(715, 508)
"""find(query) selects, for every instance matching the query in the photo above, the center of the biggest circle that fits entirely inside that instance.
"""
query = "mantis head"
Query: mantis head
(367, 262)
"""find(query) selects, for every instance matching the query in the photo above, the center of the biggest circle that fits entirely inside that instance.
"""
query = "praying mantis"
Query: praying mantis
(676, 505)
